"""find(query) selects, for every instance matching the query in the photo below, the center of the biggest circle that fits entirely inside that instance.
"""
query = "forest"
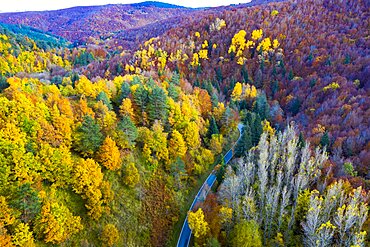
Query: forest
(106, 142)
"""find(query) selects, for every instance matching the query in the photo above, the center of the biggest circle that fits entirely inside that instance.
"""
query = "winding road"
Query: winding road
(185, 235)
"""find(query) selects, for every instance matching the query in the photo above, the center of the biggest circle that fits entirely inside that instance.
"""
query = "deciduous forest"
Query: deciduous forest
(107, 134)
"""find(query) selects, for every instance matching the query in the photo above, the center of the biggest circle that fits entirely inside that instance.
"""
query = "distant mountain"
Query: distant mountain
(157, 5)
(80, 23)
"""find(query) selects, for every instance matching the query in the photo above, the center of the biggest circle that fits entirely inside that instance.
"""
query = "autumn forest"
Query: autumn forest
(113, 119)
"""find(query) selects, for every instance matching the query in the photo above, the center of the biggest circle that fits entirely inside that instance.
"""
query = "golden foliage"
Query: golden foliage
(198, 224)
(109, 155)
(110, 235)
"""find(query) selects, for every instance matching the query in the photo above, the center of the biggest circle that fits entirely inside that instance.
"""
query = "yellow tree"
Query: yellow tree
(216, 143)
(23, 236)
(5, 238)
(110, 235)
(191, 135)
(132, 175)
(6, 217)
(177, 145)
(219, 111)
(237, 92)
(250, 92)
(57, 224)
(109, 155)
(198, 224)
(126, 108)
(87, 181)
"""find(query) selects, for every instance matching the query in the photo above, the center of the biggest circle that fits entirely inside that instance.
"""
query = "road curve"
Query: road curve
(185, 235)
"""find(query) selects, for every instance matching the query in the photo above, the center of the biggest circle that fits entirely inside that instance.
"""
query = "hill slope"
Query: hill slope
(79, 23)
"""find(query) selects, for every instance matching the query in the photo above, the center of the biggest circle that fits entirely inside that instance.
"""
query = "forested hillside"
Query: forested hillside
(105, 145)
(79, 24)
(99, 161)
(317, 76)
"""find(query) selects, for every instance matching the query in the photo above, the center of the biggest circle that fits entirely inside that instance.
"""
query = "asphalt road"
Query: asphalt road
(185, 235)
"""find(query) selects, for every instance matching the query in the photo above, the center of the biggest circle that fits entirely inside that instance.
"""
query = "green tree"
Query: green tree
(262, 107)
(349, 170)
(246, 234)
(88, 137)
(245, 142)
(213, 128)
(175, 79)
(256, 129)
(157, 107)
(27, 201)
(213, 242)
(173, 92)
(125, 91)
(128, 128)
(301, 141)
(141, 102)
(325, 141)
(102, 96)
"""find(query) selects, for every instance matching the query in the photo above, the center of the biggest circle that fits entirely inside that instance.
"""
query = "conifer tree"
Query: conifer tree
(213, 129)
(245, 142)
(262, 107)
(128, 128)
(325, 141)
(88, 137)
(125, 91)
(256, 129)
(102, 96)
(157, 106)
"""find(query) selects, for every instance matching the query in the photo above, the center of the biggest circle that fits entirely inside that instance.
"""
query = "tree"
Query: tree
(173, 92)
(191, 135)
(56, 223)
(245, 141)
(177, 145)
(27, 201)
(216, 144)
(126, 108)
(157, 105)
(140, 96)
(301, 141)
(237, 92)
(109, 235)
(88, 137)
(132, 176)
(87, 179)
(23, 236)
(261, 107)
(246, 234)
(109, 154)
(127, 126)
(175, 79)
(213, 242)
(197, 223)
(213, 129)
(102, 96)
(5, 238)
(125, 91)
(325, 141)
(256, 130)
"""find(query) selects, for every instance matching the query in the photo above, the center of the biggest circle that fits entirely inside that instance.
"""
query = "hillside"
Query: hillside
(106, 142)
(320, 83)
(79, 23)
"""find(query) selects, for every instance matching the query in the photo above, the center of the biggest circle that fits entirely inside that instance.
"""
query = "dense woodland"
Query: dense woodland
(105, 145)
